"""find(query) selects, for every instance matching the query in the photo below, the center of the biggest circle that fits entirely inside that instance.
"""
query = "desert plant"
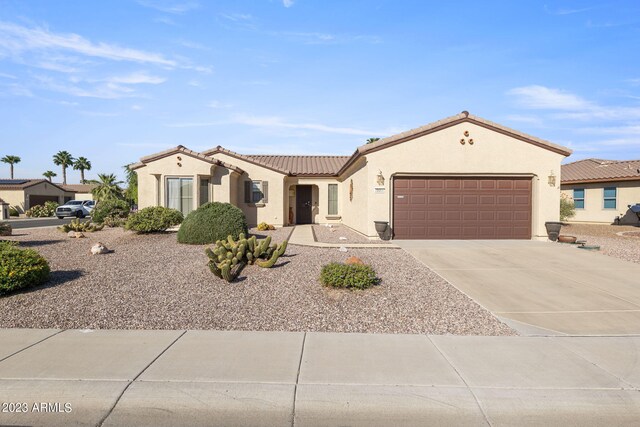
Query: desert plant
(567, 208)
(153, 219)
(113, 222)
(7, 244)
(13, 211)
(212, 222)
(21, 268)
(116, 210)
(107, 187)
(80, 226)
(229, 257)
(5, 229)
(263, 226)
(42, 211)
(348, 276)
(10, 160)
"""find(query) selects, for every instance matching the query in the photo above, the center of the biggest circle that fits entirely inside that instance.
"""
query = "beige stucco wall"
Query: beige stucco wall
(81, 196)
(628, 193)
(272, 212)
(15, 198)
(152, 178)
(355, 211)
(319, 199)
(4, 210)
(492, 154)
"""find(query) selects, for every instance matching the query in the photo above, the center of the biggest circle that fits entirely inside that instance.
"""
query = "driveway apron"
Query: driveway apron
(540, 288)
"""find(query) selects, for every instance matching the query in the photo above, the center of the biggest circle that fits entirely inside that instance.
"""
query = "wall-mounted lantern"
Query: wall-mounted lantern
(552, 179)
(380, 178)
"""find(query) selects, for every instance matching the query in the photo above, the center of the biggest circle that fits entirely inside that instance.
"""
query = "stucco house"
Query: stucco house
(22, 194)
(602, 190)
(462, 177)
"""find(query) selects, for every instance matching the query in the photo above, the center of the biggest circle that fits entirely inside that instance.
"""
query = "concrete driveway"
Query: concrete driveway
(540, 288)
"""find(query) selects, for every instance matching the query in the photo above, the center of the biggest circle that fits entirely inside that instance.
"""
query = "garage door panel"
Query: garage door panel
(456, 208)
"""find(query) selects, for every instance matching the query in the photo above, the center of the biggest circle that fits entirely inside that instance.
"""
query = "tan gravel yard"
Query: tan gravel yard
(152, 282)
(626, 246)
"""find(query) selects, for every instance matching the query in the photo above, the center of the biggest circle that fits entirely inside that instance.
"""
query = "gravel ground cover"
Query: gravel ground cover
(333, 234)
(153, 282)
(606, 236)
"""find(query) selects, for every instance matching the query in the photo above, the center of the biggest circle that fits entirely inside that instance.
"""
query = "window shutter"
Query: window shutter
(265, 191)
(247, 191)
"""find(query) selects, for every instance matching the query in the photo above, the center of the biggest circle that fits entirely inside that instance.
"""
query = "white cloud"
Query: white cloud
(287, 3)
(541, 97)
(16, 39)
(276, 122)
(566, 11)
(237, 17)
(137, 78)
(8, 76)
(217, 104)
(168, 6)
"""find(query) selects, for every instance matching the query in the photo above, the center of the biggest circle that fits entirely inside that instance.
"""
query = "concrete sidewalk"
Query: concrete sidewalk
(227, 378)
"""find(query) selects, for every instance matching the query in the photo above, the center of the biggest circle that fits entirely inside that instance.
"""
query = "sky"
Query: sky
(116, 80)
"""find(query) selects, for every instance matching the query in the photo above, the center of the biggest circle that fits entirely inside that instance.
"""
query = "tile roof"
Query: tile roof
(183, 150)
(599, 170)
(21, 184)
(303, 165)
(78, 188)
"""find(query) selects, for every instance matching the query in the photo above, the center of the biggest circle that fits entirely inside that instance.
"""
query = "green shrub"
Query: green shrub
(113, 211)
(7, 244)
(348, 276)
(42, 211)
(153, 219)
(21, 268)
(5, 229)
(567, 208)
(13, 211)
(263, 226)
(212, 222)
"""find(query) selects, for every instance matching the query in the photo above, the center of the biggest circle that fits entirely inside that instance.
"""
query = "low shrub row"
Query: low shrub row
(111, 213)
(357, 276)
(42, 211)
(153, 219)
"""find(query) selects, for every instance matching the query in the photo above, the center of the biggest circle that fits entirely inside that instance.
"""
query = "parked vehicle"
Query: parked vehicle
(77, 208)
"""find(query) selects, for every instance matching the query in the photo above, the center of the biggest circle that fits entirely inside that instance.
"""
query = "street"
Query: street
(37, 222)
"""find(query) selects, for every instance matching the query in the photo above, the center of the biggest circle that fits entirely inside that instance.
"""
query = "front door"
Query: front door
(303, 204)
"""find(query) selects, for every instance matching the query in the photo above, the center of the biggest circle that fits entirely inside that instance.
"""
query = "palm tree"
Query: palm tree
(11, 160)
(82, 164)
(106, 187)
(372, 140)
(64, 159)
(49, 175)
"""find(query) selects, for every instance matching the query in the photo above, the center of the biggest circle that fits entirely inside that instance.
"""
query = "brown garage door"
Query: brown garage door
(462, 208)
(39, 200)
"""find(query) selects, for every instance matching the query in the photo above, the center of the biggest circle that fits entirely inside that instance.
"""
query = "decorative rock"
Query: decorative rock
(354, 260)
(342, 249)
(342, 238)
(99, 248)
(75, 234)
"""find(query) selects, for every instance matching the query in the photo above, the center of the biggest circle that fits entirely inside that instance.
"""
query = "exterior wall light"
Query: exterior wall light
(380, 178)
(552, 179)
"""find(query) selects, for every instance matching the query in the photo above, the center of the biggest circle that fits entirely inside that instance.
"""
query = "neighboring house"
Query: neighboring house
(22, 194)
(80, 191)
(602, 190)
(4, 210)
(459, 178)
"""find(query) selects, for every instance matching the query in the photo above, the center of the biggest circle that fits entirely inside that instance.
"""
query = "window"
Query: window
(610, 198)
(256, 191)
(333, 199)
(204, 191)
(578, 198)
(180, 194)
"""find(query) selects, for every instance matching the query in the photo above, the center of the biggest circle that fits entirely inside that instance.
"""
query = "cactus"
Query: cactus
(229, 257)
(77, 225)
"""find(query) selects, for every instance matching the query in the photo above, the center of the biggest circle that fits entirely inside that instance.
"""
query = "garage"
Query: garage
(35, 199)
(462, 207)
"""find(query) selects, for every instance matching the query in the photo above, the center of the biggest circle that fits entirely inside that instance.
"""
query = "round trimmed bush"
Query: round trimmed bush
(112, 211)
(153, 219)
(21, 268)
(339, 275)
(211, 222)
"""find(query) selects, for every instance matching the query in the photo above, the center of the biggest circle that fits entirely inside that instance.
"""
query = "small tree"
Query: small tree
(567, 208)
(49, 175)
(131, 192)
(11, 160)
(63, 159)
